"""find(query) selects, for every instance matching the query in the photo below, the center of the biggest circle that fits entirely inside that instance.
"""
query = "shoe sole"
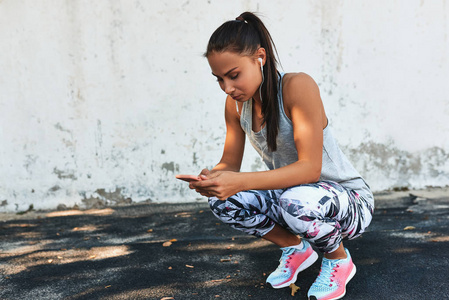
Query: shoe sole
(307, 263)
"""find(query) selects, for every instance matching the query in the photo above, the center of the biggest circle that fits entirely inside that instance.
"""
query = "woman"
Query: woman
(311, 193)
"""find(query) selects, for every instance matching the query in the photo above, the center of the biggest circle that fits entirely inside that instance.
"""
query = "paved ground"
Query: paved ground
(119, 253)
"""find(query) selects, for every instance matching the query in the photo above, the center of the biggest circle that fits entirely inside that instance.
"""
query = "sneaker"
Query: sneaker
(331, 282)
(291, 263)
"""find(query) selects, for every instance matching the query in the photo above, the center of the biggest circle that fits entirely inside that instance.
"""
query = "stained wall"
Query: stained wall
(103, 102)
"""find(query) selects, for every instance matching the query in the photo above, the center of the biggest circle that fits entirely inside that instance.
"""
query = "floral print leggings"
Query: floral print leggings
(323, 213)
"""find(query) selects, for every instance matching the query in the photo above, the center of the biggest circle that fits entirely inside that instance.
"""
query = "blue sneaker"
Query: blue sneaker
(291, 263)
(331, 282)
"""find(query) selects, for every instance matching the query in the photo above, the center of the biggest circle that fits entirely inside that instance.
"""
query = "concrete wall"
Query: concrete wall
(104, 101)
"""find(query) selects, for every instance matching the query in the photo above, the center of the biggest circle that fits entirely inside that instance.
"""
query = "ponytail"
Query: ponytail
(245, 36)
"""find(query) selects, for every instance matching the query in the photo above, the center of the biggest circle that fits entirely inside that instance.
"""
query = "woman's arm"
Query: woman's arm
(304, 107)
(231, 160)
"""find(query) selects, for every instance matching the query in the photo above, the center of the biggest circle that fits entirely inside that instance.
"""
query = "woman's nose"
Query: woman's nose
(228, 88)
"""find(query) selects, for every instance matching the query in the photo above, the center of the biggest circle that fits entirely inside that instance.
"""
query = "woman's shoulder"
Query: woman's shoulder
(299, 87)
(298, 81)
(300, 91)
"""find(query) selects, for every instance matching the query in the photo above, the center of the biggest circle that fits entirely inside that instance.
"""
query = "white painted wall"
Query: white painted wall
(107, 100)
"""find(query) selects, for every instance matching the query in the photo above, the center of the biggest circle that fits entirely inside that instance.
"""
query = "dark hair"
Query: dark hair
(246, 35)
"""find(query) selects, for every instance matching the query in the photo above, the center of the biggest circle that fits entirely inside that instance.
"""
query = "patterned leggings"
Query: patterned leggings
(323, 213)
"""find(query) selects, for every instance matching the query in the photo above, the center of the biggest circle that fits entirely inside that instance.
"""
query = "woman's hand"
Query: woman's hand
(221, 184)
(203, 175)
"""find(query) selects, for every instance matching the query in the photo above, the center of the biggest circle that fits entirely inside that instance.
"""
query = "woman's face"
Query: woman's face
(238, 76)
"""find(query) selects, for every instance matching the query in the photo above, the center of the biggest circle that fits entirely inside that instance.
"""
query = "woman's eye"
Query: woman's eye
(235, 76)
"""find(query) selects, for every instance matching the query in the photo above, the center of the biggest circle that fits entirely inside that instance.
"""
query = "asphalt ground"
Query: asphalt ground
(180, 251)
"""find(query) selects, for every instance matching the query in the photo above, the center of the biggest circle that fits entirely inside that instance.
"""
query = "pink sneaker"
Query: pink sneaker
(331, 282)
(291, 263)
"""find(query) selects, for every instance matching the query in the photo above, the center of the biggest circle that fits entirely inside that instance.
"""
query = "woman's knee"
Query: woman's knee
(234, 209)
(301, 202)
(218, 207)
(304, 195)
(240, 216)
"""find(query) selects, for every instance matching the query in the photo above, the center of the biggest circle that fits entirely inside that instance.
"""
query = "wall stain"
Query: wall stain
(30, 160)
(99, 144)
(54, 189)
(60, 128)
(195, 159)
(101, 198)
(398, 166)
(257, 165)
(68, 174)
(170, 167)
(68, 142)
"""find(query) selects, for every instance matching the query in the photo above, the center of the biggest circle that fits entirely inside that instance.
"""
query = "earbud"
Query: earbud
(260, 60)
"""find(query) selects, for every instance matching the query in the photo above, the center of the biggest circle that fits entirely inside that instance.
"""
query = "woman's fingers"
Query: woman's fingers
(205, 172)
(209, 185)
(203, 184)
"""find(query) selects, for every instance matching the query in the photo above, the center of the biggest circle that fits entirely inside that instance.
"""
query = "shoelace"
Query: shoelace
(324, 279)
(284, 258)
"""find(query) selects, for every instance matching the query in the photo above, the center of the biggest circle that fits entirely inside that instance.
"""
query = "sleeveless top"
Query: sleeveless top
(335, 165)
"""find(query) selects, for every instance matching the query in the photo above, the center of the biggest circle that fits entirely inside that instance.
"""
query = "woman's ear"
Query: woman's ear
(261, 54)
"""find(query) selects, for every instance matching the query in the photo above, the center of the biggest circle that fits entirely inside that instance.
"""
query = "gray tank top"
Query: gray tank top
(335, 166)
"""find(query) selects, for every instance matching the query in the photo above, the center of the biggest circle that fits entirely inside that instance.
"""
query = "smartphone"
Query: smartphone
(188, 178)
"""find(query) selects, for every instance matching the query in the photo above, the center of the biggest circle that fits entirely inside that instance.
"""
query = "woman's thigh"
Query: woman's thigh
(326, 202)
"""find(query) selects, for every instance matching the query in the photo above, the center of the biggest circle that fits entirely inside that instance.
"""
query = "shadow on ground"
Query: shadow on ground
(119, 253)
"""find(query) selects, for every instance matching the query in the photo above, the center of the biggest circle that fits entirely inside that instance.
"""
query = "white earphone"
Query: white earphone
(263, 79)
